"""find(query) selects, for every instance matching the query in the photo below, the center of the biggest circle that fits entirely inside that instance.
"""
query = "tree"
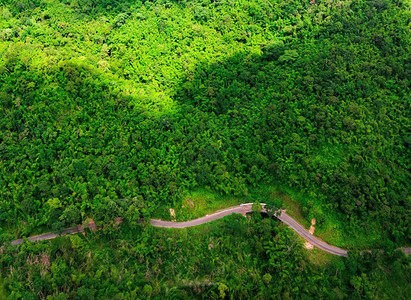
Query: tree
(273, 207)
(273, 49)
(71, 215)
(267, 278)
(223, 289)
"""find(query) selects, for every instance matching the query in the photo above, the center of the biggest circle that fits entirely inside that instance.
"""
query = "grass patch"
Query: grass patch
(292, 207)
(329, 226)
(197, 204)
(200, 203)
(321, 258)
(316, 256)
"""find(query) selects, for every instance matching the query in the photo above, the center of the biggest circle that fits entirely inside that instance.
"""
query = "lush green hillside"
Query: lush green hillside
(121, 108)
(233, 258)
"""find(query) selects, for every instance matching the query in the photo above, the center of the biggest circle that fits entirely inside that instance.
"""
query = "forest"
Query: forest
(126, 108)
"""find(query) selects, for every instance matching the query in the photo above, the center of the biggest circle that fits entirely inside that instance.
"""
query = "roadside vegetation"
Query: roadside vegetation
(197, 204)
(234, 257)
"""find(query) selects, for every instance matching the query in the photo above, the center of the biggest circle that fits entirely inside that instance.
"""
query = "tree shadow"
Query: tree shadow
(296, 115)
(300, 114)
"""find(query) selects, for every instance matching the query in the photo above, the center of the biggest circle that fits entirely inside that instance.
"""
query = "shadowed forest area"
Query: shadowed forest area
(123, 108)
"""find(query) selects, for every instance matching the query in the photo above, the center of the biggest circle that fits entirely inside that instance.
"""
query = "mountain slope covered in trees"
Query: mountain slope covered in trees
(120, 108)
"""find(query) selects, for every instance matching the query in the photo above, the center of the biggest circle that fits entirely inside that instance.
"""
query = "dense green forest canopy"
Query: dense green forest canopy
(114, 105)
(120, 108)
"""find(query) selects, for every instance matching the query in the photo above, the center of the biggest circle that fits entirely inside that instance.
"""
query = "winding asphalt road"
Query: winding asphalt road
(245, 208)
(240, 209)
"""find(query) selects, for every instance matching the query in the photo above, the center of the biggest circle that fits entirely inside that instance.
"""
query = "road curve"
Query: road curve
(218, 215)
(245, 208)
(240, 209)
(300, 230)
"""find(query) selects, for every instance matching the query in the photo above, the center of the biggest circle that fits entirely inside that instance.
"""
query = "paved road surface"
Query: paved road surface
(240, 209)
(218, 215)
(245, 208)
(306, 235)
(50, 235)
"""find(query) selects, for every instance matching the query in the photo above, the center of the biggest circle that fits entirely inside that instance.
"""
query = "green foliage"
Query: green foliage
(222, 288)
(289, 56)
(2, 290)
(274, 49)
(105, 102)
(257, 208)
(71, 215)
(155, 99)
(264, 260)
(273, 206)
(147, 289)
